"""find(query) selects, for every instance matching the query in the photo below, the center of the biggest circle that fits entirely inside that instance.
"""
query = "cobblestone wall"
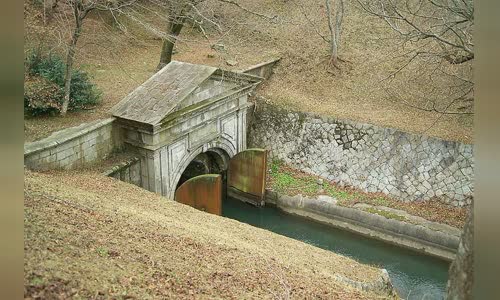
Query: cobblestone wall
(72, 147)
(405, 166)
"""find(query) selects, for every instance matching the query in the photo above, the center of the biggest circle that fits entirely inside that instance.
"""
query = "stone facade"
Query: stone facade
(73, 147)
(217, 128)
(405, 166)
(184, 110)
(181, 113)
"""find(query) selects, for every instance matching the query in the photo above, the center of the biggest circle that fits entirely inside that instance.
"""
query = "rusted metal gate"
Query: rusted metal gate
(246, 181)
(246, 178)
(202, 192)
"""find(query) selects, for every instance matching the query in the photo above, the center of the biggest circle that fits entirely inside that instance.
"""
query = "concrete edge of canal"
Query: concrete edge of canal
(382, 285)
(412, 236)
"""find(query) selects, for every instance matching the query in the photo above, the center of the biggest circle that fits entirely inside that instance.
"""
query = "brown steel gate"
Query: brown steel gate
(246, 176)
(246, 181)
(202, 192)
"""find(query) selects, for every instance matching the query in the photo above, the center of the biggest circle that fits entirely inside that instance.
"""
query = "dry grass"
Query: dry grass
(128, 242)
(120, 62)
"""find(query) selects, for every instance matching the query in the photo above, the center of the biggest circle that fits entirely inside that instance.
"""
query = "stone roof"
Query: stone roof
(160, 94)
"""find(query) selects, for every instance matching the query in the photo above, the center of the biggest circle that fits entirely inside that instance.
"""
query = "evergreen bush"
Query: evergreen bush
(45, 83)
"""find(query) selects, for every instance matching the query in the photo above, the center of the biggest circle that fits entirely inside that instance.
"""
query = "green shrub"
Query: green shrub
(83, 93)
(52, 68)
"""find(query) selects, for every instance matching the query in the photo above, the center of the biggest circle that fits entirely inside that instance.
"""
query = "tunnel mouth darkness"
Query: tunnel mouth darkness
(213, 161)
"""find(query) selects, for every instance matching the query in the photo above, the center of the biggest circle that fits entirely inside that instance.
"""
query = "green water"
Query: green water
(414, 276)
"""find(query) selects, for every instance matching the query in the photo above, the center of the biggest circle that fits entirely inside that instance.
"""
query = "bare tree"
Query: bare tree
(177, 14)
(440, 32)
(181, 11)
(49, 6)
(80, 10)
(335, 17)
(174, 14)
(439, 35)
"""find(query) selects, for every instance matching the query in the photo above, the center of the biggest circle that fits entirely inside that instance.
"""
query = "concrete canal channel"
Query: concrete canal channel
(413, 275)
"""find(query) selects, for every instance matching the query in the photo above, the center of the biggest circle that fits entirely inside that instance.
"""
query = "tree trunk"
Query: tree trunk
(331, 27)
(460, 279)
(69, 65)
(335, 29)
(339, 16)
(173, 31)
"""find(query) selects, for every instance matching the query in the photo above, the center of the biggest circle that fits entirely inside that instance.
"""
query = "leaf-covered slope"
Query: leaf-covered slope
(87, 235)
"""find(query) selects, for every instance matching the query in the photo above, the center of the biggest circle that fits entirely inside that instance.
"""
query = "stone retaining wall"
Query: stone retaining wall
(128, 171)
(73, 147)
(405, 166)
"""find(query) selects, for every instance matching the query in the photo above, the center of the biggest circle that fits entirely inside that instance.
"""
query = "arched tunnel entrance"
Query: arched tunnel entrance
(211, 176)
(213, 161)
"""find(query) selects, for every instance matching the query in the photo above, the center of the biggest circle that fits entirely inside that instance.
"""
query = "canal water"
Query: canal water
(414, 276)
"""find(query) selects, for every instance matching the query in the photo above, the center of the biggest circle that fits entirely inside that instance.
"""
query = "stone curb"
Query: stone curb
(118, 167)
(63, 136)
(382, 285)
(412, 236)
(260, 65)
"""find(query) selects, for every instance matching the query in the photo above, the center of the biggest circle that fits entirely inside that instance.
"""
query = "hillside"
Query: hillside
(132, 244)
(120, 60)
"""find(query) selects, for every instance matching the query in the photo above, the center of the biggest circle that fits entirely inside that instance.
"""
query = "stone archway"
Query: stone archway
(182, 111)
(213, 161)
(220, 151)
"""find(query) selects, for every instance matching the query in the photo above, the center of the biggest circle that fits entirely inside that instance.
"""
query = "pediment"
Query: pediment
(178, 85)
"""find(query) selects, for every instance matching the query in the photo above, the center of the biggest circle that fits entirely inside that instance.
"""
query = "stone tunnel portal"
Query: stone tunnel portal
(213, 161)
(180, 119)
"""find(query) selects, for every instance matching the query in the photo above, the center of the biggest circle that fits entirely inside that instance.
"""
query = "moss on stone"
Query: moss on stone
(386, 214)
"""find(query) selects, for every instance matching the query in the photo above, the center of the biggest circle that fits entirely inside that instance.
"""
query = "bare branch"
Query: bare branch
(264, 16)
(313, 25)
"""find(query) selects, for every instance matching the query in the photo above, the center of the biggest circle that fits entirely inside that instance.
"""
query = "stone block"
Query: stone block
(32, 158)
(372, 189)
(104, 134)
(427, 185)
(88, 144)
(44, 154)
(62, 154)
(49, 159)
(65, 163)
(90, 155)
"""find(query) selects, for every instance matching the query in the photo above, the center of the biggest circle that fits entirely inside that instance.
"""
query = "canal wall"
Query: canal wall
(382, 285)
(427, 237)
(405, 166)
(127, 171)
(73, 147)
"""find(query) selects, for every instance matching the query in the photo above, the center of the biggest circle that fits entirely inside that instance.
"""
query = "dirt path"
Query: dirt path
(90, 236)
